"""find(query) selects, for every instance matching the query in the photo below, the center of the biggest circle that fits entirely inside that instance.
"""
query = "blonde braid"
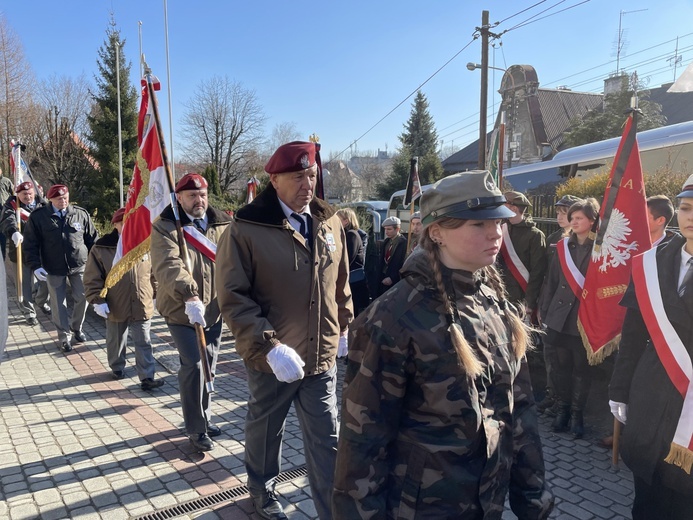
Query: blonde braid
(466, 358)
(518, 330)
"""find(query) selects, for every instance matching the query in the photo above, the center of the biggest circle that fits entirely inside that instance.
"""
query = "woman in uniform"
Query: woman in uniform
(559, 314)
(438, 418)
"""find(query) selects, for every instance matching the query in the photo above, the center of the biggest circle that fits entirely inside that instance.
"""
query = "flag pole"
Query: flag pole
(18, 217)
(199, 331)
(413, 165)
(501, 150)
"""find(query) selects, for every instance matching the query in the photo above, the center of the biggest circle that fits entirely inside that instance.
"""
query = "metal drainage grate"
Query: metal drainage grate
(215, 499)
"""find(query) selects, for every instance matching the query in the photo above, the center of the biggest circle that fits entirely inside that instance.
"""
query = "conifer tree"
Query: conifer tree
(104, 188)
(419, 139)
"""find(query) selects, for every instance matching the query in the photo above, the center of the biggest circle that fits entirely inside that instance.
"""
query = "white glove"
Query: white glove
(41, 274)
(343, 348)
(101, 309)
(285, 363)
(196, 312)
(17, 238)
(619, 410)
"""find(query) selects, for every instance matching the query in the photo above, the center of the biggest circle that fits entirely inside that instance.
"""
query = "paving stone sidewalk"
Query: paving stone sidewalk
(76, 444)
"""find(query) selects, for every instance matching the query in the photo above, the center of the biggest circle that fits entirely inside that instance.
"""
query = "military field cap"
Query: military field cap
(118, 215)
(57, 190)
(567, 200)
(392, 221)
(416, 214)
(687, 189)
(23, 187)
(292, 157)
(516, 198)
(471, 195)
(191, 181)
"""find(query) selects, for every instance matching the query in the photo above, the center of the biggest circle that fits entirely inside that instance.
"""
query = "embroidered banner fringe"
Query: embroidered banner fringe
(125, 264)
(681, 457)
(596, 358)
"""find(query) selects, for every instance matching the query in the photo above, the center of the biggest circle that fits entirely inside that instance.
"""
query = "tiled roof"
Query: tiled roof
(560, 107)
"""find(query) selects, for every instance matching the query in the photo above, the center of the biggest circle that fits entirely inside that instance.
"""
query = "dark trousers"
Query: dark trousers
(654, 501)
(315, 400)
(571, 375)
(194, 398)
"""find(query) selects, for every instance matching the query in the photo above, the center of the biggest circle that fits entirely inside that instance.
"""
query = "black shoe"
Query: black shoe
(151, 384)
(201, 442)
(46, 309)
(267, 506)
(31, 320)
(79, 336)
(562, 419)
(545, 404)
(65, 346)
(213, 430)
(577, 425)
(118, 374)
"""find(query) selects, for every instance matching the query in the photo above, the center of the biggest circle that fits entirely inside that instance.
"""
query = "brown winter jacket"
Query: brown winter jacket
(273, 289)
(176, 285)
(129, 299)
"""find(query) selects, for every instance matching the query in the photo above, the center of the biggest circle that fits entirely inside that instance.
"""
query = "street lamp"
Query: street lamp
(474, 66)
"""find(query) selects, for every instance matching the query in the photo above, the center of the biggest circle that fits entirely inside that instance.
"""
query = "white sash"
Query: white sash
(670, 350)
(517, 268)
(200, 242)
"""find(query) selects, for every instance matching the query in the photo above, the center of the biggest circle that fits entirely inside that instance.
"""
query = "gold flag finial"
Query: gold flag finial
(314, 138)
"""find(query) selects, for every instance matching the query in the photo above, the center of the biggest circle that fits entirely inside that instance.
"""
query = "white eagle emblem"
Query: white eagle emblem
(305, 163)
(614, 250)
(197, 182)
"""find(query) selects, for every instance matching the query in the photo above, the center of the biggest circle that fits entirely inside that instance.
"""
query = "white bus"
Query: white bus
(665, 148)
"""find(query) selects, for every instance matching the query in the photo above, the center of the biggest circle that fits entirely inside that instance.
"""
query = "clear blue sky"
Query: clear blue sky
(336, 68)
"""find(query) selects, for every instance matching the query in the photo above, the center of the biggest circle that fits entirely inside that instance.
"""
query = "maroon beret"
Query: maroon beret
(292, 157)
(57, 190)
(118, 215)
(23, 187)
(191, 181)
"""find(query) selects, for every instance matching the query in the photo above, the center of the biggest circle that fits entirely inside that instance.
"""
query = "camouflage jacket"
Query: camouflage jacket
(419, 438)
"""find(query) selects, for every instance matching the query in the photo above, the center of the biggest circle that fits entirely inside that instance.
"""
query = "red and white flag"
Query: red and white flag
(623, 234)
(148, 193)
(253, 184)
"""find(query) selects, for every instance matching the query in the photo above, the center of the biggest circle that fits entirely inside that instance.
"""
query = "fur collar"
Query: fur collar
(265, 209)
(109, 240)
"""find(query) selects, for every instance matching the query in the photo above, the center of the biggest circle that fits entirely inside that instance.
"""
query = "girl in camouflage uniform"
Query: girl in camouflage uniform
(438, 418)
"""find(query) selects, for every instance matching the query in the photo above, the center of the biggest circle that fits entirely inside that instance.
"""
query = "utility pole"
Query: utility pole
(484, 30)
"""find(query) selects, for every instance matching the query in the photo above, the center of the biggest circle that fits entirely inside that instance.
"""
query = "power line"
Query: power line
(406, 98)
(530, 20)
(519, 12)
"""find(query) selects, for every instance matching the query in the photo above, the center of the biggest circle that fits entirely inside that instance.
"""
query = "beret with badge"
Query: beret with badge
(23, 187)
(57, 190)
(191, 181)
(292, 157)
(471, 195)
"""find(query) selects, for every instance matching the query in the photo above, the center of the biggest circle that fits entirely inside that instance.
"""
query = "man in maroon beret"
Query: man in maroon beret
(12, 229)
(128, 306)
(57, 241)
(185, 298)
(283, 288)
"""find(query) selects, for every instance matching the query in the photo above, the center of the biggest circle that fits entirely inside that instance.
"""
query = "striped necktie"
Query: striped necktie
(686, 277)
